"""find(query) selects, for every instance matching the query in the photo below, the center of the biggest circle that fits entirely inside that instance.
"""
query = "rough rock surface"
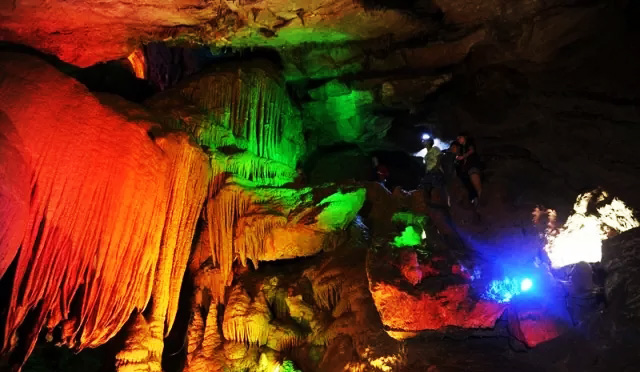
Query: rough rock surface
(534, 324)
(307, 313)
(440, 301)
(620, 262)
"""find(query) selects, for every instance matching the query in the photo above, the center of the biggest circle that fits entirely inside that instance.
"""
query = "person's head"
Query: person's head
(428, 143)
(462, 138)
(454, 147)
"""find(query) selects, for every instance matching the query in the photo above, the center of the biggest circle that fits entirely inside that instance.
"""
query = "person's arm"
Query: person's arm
(467, 154)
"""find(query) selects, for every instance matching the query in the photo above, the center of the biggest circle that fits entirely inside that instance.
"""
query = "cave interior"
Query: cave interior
(242, 185)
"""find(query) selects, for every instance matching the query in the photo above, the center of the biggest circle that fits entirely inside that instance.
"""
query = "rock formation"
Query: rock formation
(143, 189)
(102, 233)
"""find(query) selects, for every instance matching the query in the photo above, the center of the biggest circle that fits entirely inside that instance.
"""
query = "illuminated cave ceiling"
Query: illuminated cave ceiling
(86, 32)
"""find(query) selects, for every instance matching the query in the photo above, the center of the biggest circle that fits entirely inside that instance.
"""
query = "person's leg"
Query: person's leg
(466, 181)
(476, 180)
(446, 198)
(426, 189)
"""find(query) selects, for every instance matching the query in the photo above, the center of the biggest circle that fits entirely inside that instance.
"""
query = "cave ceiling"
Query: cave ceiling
(379, 35)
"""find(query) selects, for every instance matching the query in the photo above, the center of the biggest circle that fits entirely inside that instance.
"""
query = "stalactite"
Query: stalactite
(222, 214)
(282, 337)
(188, 182)
(280, 304)
(276, 297)
(14, 192)
(251, 167)
(326, 284)
(111, 213)
(213, 282)
(250, 235)
(251, 109)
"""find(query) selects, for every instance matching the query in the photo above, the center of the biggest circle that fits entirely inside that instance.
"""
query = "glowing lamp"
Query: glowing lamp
(526, 284)
(425, 137)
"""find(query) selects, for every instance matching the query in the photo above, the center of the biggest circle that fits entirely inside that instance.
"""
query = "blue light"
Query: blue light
(425, 137)
(504, 290)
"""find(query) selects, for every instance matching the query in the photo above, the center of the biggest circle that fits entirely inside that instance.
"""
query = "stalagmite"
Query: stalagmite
(212, 337)
(246, 320)
(195, 331)
(135, 355)
(111, 214)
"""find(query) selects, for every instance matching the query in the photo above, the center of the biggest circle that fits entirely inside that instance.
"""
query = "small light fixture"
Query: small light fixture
(526, 284)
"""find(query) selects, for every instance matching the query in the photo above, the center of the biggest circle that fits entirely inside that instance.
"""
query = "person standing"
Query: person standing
(433, 178)
(448, 165)
(470, 166)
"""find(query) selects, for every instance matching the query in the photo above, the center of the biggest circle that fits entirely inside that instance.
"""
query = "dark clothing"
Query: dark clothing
(472, 163)
(469, 166)
(448, 164)
(466, 181)
(433, 179)
(382, 173)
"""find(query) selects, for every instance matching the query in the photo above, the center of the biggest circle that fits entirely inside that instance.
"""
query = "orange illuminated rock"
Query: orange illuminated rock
(439, 301)
(405, 312)
(111, 213)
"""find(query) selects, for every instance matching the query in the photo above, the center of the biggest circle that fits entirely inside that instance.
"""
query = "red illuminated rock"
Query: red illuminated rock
(534, 325)
(410, 267)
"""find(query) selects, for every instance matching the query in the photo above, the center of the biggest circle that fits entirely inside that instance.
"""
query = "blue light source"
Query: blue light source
(425, 136)
(504, 290)
(526, 284)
